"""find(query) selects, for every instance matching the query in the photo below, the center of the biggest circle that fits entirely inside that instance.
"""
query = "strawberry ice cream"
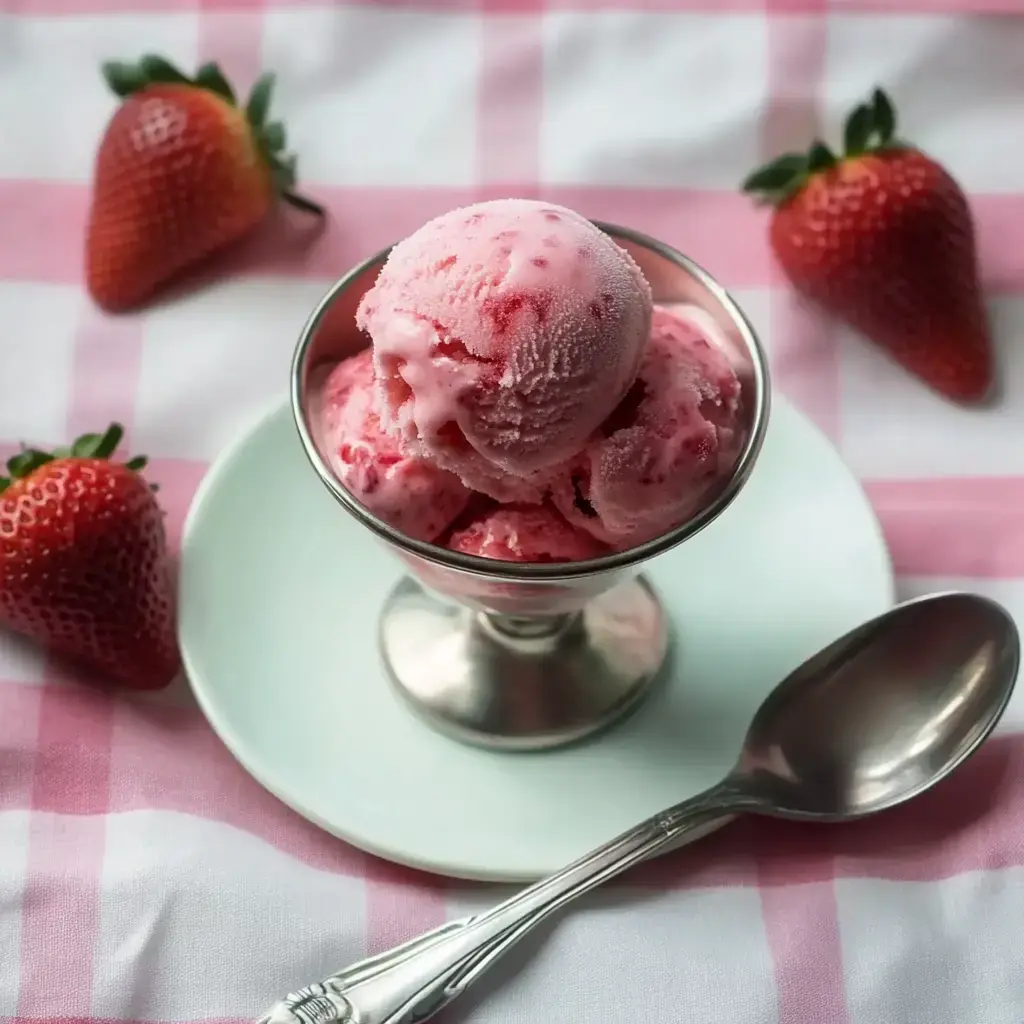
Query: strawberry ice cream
(654, 459)
(522, 399)
(525, 533)
(408, 493)
(503, 335)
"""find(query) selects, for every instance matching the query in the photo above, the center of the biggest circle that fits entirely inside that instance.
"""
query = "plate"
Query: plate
(279, 594)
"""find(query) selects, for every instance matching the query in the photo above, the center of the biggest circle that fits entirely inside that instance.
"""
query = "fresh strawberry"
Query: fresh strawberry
(182, 171)
(882, 237)
(83, 561)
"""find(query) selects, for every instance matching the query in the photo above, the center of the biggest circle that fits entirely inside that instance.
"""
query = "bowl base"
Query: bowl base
(522, 683)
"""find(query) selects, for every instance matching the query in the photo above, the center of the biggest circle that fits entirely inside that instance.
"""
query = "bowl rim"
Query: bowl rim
(477, 565)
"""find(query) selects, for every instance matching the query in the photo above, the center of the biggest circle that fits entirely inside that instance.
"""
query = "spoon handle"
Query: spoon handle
(417, 979)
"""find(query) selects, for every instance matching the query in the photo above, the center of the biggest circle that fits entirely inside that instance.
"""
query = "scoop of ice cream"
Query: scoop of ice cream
(503, 334)
(525, 533)
(671, 438)
(408, 493)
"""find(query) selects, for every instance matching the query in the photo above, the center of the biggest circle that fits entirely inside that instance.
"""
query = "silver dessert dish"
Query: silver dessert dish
(529, 656)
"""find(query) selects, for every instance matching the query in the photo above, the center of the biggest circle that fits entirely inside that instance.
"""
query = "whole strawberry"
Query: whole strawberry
(882, 237)
(181, 172)
(83, 561)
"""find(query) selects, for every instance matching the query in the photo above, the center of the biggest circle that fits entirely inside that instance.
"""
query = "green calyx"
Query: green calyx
(870, 128)
(125, 79)
(88, 446)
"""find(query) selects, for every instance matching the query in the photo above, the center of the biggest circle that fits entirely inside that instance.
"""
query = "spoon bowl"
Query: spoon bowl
(882, 713)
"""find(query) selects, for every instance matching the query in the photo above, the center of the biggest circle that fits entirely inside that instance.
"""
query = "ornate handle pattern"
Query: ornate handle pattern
(412, 982)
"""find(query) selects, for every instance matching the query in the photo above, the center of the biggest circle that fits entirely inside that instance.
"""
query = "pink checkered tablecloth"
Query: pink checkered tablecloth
(143, 875)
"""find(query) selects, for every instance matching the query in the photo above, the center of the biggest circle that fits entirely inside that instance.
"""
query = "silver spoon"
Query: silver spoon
(874, 719)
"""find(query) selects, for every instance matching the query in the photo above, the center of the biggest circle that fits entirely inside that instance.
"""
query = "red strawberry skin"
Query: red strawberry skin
(178, 176)
(84, 569)
(885, 241)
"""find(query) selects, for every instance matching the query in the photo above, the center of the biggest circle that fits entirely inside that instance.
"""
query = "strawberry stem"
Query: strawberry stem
(298, 202)
(123, 79)
(820, 157)
(274, 137)
(885, 116)
(157, 69)
(88, 446)
(870, 128)
(777, 178)
(98, 446)
(27, 462)
(860, 126)
(259, 100)
(209, 76)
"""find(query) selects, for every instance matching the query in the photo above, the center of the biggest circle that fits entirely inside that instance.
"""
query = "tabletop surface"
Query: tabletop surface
(143, 875)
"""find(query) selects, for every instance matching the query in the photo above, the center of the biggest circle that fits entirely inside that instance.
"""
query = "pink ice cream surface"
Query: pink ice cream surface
(503, 334)
(408, 493)
(525, 533)
(672, 437)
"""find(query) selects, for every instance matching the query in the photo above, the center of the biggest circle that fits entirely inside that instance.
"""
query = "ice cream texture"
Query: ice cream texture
(410, 494)
(522, 398)
(675, 435)
(524, 534)
(503, 335)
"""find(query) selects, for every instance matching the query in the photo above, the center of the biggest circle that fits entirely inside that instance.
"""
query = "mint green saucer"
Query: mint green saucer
(279, 596)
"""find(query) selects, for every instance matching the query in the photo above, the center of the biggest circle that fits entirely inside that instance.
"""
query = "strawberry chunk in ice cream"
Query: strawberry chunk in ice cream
(673, 436)
(503, 334)
(525, 533)
(408, 493)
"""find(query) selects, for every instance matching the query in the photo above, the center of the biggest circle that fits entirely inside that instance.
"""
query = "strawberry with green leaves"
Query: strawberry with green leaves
(83, 561)
(882, 237)
(182, 171)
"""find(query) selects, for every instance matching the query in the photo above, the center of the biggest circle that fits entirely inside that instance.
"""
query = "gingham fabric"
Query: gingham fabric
(143, 875)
